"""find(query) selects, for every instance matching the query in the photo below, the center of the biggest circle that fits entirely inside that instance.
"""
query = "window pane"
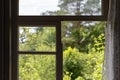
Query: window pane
(37, 38)
(83, 50)
(37, 67)
(59, 7)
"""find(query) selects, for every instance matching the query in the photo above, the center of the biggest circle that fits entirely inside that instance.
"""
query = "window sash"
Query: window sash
(43, 20)
(58, 53)
(103, 17)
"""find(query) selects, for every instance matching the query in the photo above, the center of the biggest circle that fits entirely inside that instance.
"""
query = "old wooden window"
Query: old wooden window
(43, 14)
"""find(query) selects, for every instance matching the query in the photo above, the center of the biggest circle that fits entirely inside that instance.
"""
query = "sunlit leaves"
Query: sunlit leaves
(37, 67)
(77, 64)
(81, 66)
(37, 39)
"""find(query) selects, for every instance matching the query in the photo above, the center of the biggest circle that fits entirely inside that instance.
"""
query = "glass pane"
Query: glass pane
(59, 7)
(37, 67)
(37, 38)
(83, 49)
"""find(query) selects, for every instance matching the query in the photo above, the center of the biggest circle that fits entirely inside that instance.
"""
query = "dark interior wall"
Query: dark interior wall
(4, 39)
(1, 39)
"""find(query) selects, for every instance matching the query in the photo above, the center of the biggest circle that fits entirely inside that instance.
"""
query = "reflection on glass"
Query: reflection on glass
(59, 7)
(37, 39)
(37, 67)
(83, 50)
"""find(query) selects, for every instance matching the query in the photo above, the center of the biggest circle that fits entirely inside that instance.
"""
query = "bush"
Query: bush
(81, 66)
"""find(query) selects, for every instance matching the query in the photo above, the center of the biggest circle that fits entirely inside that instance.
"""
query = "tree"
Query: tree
(82, 42)
(80, 7)
(83, 37)
(37, 67)
(37, 39)
(77, 65)
(76, 33)
(81, 66)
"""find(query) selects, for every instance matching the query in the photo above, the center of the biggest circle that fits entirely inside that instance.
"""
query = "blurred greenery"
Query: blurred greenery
(83, 45)
(77, 64)
(37, 67)
(37, 39)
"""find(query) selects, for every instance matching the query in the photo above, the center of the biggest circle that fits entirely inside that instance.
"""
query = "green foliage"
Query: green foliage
(80, 7)
(73, 63)
(81, 66)
(99, 44)
(77, 7)
(37, 67)
(41, 39)
(77, 64)
(83, 45)
(81, 36)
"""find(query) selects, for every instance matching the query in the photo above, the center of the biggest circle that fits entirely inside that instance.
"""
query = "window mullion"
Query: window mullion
(43, 20)
(59, 55)
(37, 19)
(36, 52)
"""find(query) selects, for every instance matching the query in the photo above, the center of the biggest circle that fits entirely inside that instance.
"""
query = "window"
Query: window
(35, 14)
(60, 7)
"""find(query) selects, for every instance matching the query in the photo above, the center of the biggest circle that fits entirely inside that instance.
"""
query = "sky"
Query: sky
(37, 7)
(31, 7)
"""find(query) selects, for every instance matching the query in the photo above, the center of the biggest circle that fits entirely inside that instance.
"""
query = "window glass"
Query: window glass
(40, 38)
(83, 49)
(37, 67)
(59, 7)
